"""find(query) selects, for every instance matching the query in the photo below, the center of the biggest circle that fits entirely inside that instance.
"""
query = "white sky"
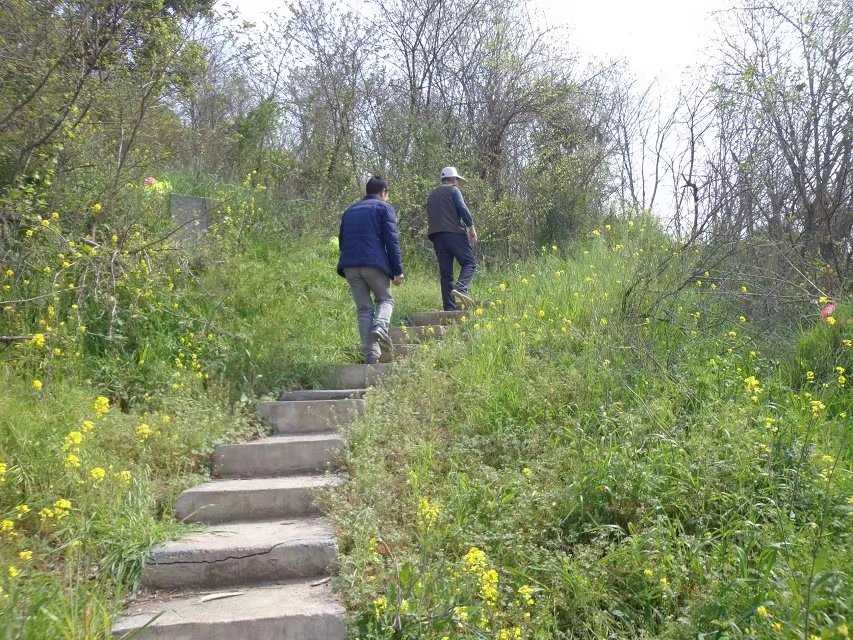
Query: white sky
(658, 38)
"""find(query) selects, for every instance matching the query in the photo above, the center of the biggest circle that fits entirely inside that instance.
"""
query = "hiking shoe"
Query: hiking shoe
(380, 334)
(463, 298)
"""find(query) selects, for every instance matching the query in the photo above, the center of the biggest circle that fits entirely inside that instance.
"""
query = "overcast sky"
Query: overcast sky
(658, 38)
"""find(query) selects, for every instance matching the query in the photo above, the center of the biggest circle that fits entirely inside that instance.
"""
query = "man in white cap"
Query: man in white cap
(451, 230)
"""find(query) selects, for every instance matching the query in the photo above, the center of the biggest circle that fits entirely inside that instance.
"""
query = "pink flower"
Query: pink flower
(827, 310)
(150, 181)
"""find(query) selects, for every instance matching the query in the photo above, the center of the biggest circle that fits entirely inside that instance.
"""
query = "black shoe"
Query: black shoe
(462, 297)
(380, 334)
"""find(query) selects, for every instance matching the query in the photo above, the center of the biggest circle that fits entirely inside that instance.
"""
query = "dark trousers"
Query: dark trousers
(449, 247)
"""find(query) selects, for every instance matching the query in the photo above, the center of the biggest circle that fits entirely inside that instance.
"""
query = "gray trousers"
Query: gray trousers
(364, 281)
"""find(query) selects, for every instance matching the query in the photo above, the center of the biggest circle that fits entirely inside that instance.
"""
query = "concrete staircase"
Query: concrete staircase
(260, 568)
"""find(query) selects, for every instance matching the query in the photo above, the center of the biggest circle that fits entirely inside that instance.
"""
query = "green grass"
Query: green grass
(612, 457)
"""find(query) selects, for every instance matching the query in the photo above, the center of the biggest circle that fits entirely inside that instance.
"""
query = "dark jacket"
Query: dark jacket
(368, 237)
(447, 212)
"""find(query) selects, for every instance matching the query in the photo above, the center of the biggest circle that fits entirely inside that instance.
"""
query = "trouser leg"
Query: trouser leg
(364, 306)
(445, 269)
(380, 285)
(464, 254)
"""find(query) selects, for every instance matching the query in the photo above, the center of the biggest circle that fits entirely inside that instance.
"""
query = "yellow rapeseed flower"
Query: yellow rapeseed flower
(22, 510)
(96, 208)
(817, 407)
(37, 385)
(742, 319)
(143, 432)
(3, 469)
(809, 375)
(72, 461)
(124, 477)
(7, 525)
(479, 311)
(97, 474)
(830, 320)
(88, 426)
(14, 572)
(25, 555)
(753, 385)
(102, 404)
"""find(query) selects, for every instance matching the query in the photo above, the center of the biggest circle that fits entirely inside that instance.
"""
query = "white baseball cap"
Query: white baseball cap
(451, 172)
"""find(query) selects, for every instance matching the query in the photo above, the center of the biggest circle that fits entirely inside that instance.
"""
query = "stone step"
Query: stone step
(310, 416)
(295, 611)
(427, 318)
(399, 350)
(277, 455)
(243, 554)
(357, 376)
(414, 334)
(253, 499)
(321, 394)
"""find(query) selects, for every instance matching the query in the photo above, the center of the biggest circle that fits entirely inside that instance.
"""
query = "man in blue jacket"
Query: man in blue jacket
(370, 260)
(451, 229)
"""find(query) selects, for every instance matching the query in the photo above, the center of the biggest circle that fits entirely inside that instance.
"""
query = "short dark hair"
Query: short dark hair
(376, 185)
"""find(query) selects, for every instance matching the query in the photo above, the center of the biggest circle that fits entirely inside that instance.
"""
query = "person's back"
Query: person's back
(368, 237)
(442, 212)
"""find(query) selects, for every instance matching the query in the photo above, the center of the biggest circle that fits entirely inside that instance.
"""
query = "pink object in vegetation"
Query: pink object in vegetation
(827, 310)
(150, 181)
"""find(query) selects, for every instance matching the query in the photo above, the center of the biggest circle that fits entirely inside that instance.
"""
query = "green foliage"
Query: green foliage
(679, 474)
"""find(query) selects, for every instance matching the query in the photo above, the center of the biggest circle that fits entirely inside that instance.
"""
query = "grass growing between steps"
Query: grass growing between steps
(583, 459)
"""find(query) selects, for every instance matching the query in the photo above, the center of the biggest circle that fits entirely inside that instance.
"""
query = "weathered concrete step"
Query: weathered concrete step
(415, 333)
(357, 376)
(279, 612)
(427, 318)
(322, 394)
(310, 416)
(243, 554)
(399, 350)
(253, 499)
(277, 455)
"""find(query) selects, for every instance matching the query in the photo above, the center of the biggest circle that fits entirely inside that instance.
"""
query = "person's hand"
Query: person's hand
(472, 236)
(398, 280)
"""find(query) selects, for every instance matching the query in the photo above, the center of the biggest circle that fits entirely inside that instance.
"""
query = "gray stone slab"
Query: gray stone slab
(253, 499)
(401, 335)
(310, 416)
(278, 612)
(435, 317)
(277, 455)
(322, 394)
(243, 554)
(357, 376)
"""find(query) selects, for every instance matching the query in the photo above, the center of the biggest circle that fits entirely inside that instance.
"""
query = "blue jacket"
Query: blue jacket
(368, 237)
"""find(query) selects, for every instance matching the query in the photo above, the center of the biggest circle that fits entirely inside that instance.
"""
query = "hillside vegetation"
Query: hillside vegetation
(572, 463)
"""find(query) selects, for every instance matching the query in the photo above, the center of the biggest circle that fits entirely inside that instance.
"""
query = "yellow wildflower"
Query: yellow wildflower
(72, 461)
(527, 472)
(489, 586)
(479, 311)
(25, 555)
(96, 208)
(3, 469)
(742, 319)
(830, 320)
(475, 560)
(37, 385)
(102, 404)
(22, 510)
(526, 592)
(37, 340)
(7, 525)
(14, 572)
(817, 407)
(45, 514)
(428, 512)
(73, 440)
(743, 289)
(777, 626)
(809, 375)
(124, 477)
(752, 384)
(97, 474)
(380, 605)
(596, 232)
(502, 286)
(143, 432)
(732, 334)
(88, 426)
